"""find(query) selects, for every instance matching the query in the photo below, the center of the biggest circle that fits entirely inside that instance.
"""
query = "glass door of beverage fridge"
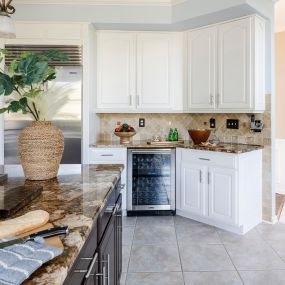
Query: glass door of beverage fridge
(151, 179)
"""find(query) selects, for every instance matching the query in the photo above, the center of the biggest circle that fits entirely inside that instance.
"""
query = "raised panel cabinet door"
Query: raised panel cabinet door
(153, 71)
(222, 195)
(107, 255)
(202, 68)
(234, 84)
(116, 70)
(193, 191)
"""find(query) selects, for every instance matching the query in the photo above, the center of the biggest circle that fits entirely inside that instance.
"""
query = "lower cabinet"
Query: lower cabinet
(191, 178)
(220, 189)
(100, 260)
(222, 192)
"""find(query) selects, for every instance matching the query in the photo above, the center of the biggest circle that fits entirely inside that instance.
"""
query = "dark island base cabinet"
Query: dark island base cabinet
(100, 260)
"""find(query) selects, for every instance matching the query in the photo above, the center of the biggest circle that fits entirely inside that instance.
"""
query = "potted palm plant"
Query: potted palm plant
(23, 83)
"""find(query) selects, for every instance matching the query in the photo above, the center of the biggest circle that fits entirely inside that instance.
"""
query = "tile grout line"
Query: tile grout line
(231, 259)
(179, 252)
(135, 225)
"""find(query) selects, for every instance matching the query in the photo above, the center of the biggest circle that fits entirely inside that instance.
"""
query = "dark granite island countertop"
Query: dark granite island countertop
(73, 200)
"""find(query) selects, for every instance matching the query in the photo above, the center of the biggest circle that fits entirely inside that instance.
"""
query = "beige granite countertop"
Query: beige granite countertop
(223, 147)
(73, 200)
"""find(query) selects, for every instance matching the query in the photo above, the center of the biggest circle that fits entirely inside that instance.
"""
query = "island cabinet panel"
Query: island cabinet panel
(100, 260)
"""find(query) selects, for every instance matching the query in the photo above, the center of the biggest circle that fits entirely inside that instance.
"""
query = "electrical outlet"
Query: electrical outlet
(232, 124)
(141, 122)
(212, 123)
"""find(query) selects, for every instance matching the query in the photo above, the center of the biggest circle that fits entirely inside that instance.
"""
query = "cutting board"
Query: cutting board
(54, 241)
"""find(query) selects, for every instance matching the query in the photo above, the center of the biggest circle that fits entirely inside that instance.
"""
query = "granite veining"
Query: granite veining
(223, 147)
(73, 200)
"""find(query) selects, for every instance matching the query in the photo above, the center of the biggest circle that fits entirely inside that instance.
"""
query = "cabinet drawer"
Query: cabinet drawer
(210, 158)
(107, 155)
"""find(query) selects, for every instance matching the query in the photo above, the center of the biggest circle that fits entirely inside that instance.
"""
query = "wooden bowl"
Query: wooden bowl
(199, 136)
(125, 137)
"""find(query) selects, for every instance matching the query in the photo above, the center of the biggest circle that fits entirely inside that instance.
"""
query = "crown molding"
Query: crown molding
(101, 2)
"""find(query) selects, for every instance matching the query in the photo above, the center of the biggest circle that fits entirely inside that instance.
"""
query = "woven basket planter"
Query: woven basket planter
(40, 149)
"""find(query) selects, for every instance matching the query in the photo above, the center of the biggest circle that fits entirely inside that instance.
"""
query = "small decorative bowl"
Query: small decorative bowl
(125, 137)
(199, 136)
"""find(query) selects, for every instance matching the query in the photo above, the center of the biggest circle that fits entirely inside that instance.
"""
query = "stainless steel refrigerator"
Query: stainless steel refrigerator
(66, 97)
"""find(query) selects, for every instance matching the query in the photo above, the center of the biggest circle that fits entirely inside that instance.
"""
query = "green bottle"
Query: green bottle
(170, 135)
(175, 135)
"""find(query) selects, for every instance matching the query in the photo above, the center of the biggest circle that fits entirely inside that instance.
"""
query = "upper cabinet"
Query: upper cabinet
(139, 72)
(202, 73)
(215, 69)
(226, 67)
(116, 70)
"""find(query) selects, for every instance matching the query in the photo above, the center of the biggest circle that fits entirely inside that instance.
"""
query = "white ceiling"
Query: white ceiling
(280, 16)
(102, 2)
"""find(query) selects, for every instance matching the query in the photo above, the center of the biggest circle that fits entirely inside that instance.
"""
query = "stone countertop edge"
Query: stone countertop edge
(75, 201)
(227, 147)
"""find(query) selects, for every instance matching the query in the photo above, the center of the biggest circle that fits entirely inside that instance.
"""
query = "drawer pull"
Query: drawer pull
(107, 155)
(206, 159)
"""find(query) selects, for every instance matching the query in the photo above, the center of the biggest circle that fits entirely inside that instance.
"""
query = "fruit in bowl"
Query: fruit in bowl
(124, 128)
(125, 132)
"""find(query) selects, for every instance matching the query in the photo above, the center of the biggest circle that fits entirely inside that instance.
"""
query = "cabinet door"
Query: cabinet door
(107, 255)
(118, 238)
(202, 68)
(193, 194)
(116, 70)
(234, 83)
(222, 195)
(153, 71)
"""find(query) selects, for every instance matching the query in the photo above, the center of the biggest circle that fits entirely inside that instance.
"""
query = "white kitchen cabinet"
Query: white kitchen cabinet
(234, 63)
(202, 73)
(220, 189)
(139, 72)
(115, 70)
(226, 67)
(192, 176)
(222, 194)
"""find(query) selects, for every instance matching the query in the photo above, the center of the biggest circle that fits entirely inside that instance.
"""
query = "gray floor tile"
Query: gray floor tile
(279, 247)
(129, 221)
(212, 278)
(253, 255)
(167, 278)
(154, 258)
(227, 237)
(204, 257)
(123, 278)
(126, 253)
(154, 235)
(155, 221)
(271, 232)
(274, 277)
(128, 235)
(197, 234)
(180, 221)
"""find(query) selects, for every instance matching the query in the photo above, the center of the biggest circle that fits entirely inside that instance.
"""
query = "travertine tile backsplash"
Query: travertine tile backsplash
(159, 124)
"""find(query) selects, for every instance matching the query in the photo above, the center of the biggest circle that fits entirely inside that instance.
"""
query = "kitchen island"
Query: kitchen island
(73, 200)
